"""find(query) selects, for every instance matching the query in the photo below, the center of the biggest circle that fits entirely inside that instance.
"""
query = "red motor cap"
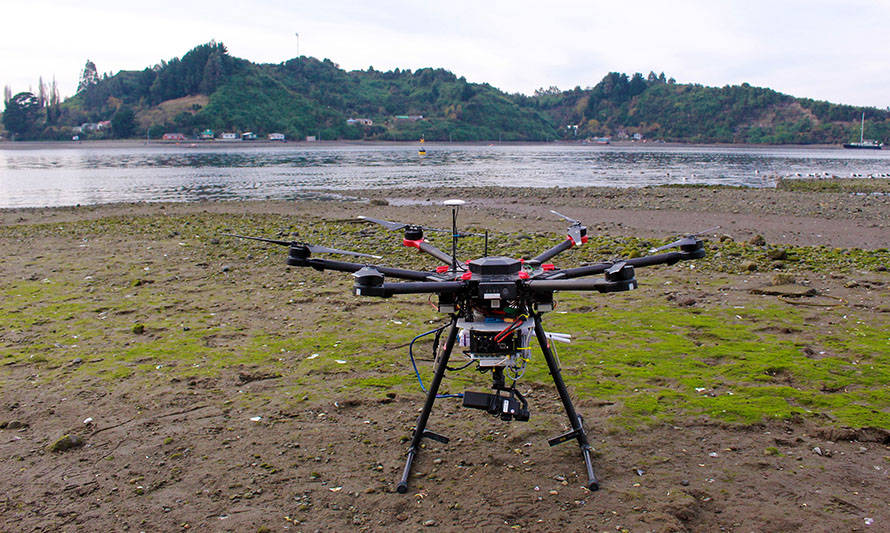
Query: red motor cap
(442, 269)
(548, 266)
(412, 244)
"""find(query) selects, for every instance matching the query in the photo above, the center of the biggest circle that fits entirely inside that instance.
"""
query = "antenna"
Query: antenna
(455, 206)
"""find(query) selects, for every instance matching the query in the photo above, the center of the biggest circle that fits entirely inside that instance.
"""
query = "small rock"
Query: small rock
(851, 284)
(777, 254)
(687, 302)
(226, 268)
(758, 240)
(429, 523)
(749, 266)
(817, 450)
(685, 482)
(76, 361)
(65, 443)
(15, 424)
(782, 279)
(139, 329)
(725, 238)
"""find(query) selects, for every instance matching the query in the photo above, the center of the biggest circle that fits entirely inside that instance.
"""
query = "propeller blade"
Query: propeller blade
(385, 223)
(262, 239)
(311, 247)
(575, 234)
(709, 230)
(325, 250)
(572, 220)
(392, 226)
(683, 241)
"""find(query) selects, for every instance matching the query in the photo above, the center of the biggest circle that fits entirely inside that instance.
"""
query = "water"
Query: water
(181, 173)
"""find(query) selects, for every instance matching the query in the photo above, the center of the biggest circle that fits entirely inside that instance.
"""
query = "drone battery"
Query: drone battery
(482, 343)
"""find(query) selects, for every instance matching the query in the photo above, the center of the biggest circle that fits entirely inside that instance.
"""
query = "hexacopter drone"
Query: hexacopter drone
(495, 305)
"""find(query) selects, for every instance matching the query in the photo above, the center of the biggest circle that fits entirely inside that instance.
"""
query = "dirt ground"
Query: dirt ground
(263, 445)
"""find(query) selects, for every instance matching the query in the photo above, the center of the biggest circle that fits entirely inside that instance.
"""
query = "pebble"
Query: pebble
(685, 482)
(65, 443)
(429, 523)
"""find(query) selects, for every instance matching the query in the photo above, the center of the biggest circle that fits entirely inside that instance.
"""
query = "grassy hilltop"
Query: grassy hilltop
(209, 89)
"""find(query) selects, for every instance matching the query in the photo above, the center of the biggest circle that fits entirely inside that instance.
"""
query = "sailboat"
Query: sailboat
(867, 144)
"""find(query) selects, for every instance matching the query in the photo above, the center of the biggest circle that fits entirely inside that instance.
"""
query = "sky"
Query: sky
(837, 51)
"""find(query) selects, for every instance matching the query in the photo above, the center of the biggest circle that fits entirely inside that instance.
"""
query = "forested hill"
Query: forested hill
(209, 89)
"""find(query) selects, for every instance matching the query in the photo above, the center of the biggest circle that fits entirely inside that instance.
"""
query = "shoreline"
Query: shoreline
(135, 143)
(799, 218)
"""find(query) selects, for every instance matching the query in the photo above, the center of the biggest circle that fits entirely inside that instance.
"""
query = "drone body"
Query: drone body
(495, 306)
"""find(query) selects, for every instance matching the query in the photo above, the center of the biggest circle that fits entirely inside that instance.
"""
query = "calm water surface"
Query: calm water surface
(181, 173)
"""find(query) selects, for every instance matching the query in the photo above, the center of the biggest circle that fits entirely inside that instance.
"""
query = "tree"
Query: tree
(22, 113)
(88, 77)
(123, 123)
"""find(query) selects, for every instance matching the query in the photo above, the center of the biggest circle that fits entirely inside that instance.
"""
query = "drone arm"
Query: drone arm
(668, 258)
(410, 287)
(598, 285)
(559, 248)
(428, 248)
(345, 266)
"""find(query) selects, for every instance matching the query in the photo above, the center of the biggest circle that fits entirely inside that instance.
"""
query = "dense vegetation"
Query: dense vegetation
(209, 89)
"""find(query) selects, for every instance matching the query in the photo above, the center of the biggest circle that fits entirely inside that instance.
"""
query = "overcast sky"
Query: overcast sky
(828, 50)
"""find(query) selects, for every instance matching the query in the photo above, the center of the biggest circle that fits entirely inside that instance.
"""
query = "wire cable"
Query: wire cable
(437, 331)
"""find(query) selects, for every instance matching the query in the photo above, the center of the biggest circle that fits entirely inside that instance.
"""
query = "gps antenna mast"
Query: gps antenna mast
(455, 206)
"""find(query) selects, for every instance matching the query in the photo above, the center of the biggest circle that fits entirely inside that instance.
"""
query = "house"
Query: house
(105, 124)
(310, 138)
(228, 136)
(360, 121)
(173, 137)
(276, 137)
(248, 136)
(408, 118)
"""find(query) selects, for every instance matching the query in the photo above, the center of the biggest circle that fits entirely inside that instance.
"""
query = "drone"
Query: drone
(495, 307)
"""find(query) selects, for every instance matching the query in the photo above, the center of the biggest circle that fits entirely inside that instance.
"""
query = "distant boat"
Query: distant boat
(421, 150)
(864, 144)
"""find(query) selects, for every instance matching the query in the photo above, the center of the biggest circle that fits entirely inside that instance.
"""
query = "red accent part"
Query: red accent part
(584, 239)
(442, 269)
(548, 266)
(412, 244)
(466, 275)
(571, 240)
(523, 275)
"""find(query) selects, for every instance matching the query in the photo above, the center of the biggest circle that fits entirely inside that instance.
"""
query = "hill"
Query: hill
(209, 89)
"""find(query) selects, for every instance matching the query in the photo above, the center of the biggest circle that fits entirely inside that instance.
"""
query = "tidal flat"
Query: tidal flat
(203, 383)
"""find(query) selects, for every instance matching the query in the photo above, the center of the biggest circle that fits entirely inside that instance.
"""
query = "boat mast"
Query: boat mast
(862, 128)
